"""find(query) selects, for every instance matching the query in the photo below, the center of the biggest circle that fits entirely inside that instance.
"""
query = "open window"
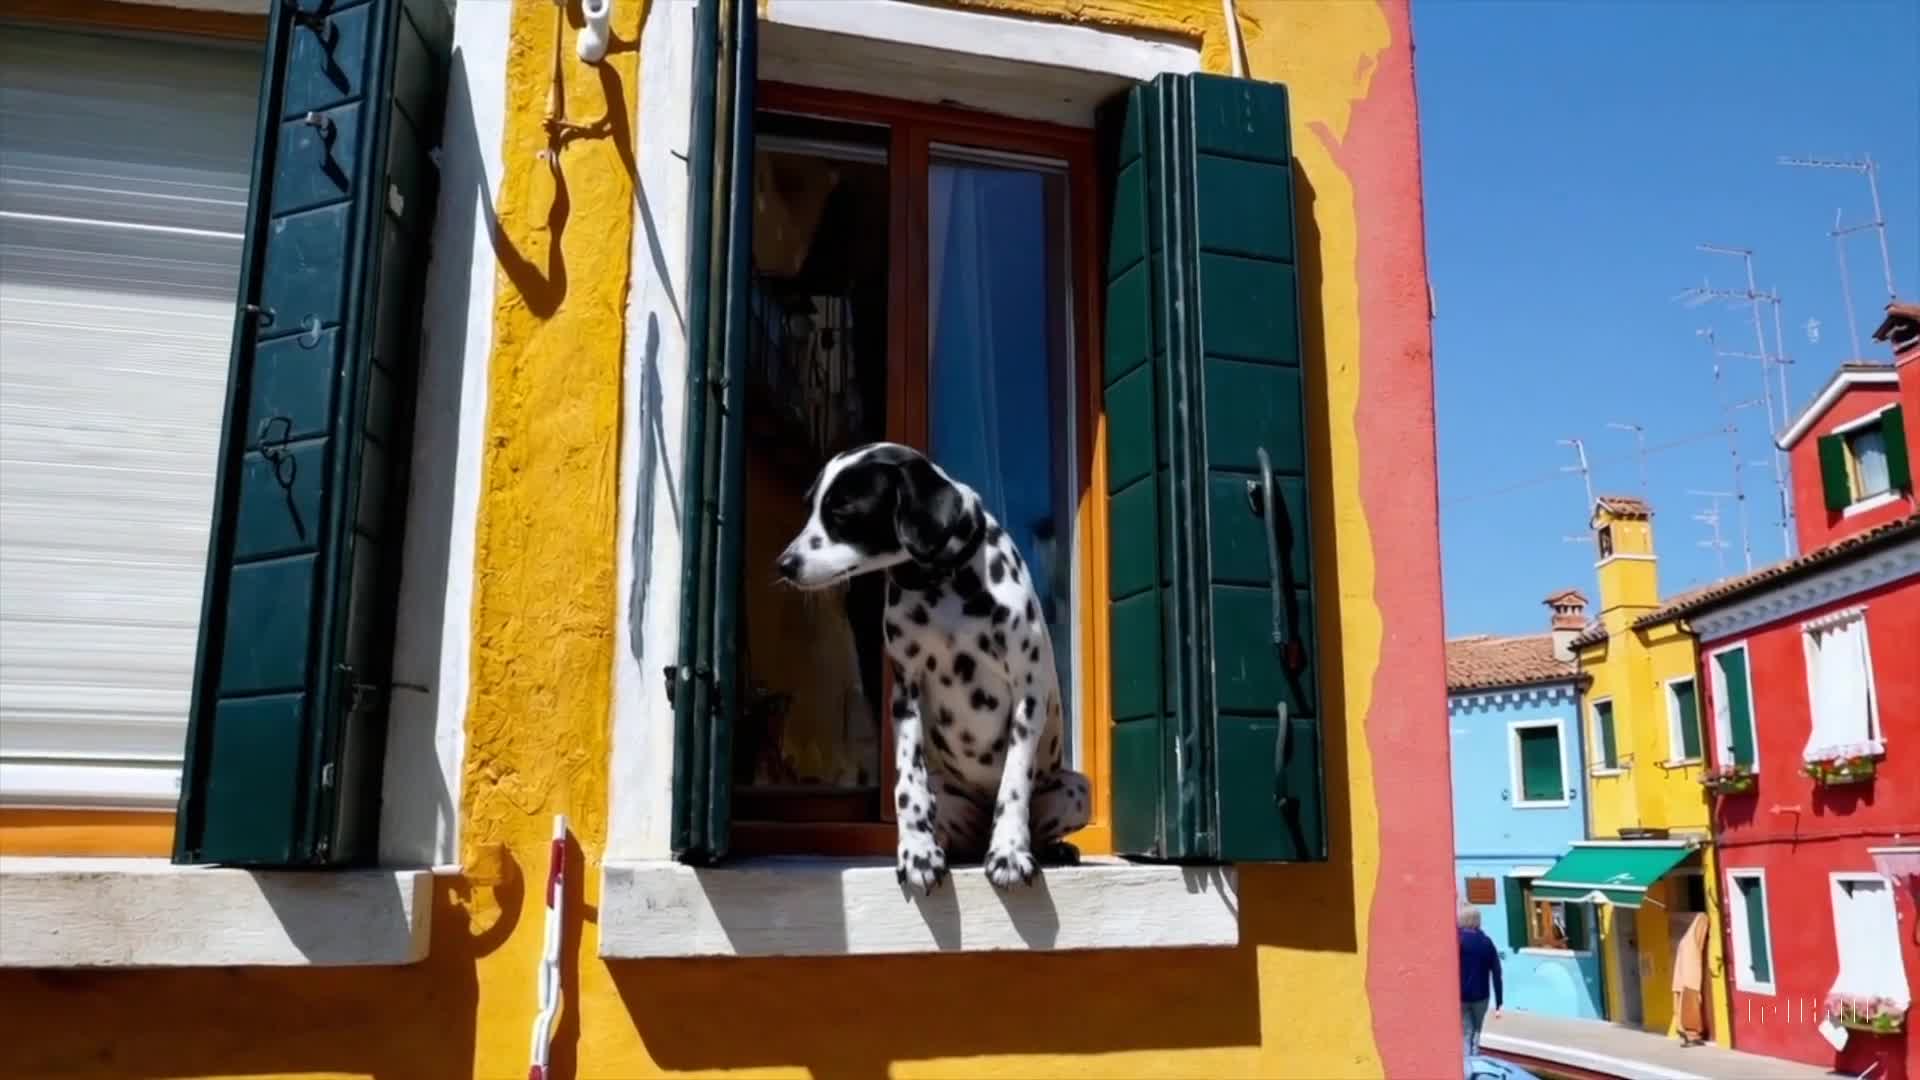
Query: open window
(866, 268)
(1866, 460)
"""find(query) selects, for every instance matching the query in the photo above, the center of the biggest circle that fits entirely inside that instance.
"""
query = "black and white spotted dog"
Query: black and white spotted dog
(976, 697)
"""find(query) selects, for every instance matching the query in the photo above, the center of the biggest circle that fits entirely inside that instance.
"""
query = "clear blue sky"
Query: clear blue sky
(1573, 154)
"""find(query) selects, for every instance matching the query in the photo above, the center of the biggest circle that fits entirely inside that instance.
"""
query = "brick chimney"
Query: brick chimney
(1569, 608)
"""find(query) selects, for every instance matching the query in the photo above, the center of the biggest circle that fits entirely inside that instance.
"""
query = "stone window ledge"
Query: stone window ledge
(148, 913)
(800, 906)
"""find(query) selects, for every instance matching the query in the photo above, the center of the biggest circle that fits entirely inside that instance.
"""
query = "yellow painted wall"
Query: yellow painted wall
(1290, 1001)
(1631, 667)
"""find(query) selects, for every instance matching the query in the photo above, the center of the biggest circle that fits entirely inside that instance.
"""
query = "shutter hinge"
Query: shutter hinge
(672, 672)
(326, 776)
(359, 694)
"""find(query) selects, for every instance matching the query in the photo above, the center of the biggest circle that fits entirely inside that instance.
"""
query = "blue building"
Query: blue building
(1519, 800)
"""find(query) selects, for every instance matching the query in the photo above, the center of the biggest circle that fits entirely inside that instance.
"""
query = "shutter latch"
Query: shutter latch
(360, 695)
(672, 672)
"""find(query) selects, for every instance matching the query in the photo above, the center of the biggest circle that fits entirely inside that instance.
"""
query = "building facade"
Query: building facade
(1647, 811)
(1519, 802)
(523, 307)
(1812, 697)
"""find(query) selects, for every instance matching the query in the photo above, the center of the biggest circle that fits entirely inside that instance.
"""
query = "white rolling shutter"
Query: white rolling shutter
(123, 187)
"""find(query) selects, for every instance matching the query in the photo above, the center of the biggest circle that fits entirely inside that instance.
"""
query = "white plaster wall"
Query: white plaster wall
(434, 639)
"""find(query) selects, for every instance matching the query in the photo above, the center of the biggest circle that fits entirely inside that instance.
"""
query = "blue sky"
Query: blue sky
(1574, 154)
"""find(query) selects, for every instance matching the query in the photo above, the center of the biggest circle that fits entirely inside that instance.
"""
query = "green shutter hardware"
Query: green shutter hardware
(1893, 433)
(703, 684)
(1733, 672)
(1834, 481)
(1216, 710)
(287, 722)
(1516, 904)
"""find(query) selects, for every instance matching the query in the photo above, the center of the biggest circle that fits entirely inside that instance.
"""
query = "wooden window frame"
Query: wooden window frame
(1598, 745)
(913, 129)
(1676, 731)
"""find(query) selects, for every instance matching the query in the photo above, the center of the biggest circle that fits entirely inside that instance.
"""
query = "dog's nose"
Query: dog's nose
(789, 566)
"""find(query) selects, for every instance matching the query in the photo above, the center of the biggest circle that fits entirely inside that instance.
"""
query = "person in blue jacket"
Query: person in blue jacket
(1479, 964)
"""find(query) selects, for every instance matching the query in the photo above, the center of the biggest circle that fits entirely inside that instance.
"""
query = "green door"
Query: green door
(287, 723)
(1216, 747)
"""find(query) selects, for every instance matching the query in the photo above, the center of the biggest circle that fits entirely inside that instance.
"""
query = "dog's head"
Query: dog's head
(877, 506)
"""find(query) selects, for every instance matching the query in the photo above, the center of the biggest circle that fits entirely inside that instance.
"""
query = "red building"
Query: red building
(1812, 692)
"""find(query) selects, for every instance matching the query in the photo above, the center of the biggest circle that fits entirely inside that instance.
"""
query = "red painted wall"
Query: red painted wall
(1816, 525)
(1800, 833)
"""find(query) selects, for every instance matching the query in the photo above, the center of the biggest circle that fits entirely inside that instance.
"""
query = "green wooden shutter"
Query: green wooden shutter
(1687, 701)
(1603, 730)
(1576, 922)
(1733, 679)
(1516, 905)
(1541, 779)
(1754, 896)
(1893, 433)
(287, 724)
(1216, 747)
(704, 682)
(1834, 481)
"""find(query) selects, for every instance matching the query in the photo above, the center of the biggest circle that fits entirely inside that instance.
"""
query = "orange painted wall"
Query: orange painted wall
(1345, 969)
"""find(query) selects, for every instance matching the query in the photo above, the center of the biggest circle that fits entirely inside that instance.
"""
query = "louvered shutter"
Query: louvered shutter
(704, 682)
(1216, 741)
(286, 736)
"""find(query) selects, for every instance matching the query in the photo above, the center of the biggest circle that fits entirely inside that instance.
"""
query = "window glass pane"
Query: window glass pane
(1868, 449)
(807, 740)
(1540, 778)
(1000, 382)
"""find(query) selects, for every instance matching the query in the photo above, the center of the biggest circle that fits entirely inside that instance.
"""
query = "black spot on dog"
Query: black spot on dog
(997, 570)
(983, 701)
(963, 666)
(1032, 615)
(1000, 639)
(979, 606)
(931, 594)
(923, 825)
(986, 646)
(815, 544)
(900, 709)
(899, 673)
(946, 681)
(1000, 744)
(966, 582)
(940, 742)
(946, 718)
(892, 630)
(901, 800)
(919, 615)
(913, 649)
(986, 757)
(933, 662)
(1001, 614)
(1019, 730)
(919, 759)
(995, 534)
(1053, 747)
(1029, 678)
(966, 740)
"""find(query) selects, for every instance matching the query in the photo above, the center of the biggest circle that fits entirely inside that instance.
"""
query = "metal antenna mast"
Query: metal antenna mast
(1640, 449)
(1866, 167)
(1732, 429)
(1586, 474)
(1711, 518)
(1752, 297)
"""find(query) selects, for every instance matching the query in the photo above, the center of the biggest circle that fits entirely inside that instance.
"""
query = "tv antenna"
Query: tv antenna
(1776, 360)
(1731, 427)
(1710, 517)
(1640, 449)
(1586, 473)
(1866, 167)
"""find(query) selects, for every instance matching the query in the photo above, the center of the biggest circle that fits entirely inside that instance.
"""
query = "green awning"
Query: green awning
(1610, 872)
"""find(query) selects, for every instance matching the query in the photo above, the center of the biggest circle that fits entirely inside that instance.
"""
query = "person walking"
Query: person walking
(1479, 964)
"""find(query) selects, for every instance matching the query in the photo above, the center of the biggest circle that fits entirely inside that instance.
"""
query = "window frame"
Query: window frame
(1596, 748)
(1741, 937)
(1516, 770)
(1723, 740)
(1676, 742)
(915, 130)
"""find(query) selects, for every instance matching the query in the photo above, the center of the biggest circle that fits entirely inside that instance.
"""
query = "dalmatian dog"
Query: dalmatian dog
(975, 698)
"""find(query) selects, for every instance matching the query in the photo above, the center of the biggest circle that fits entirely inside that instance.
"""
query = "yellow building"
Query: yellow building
(1647, 810)
(504, 241)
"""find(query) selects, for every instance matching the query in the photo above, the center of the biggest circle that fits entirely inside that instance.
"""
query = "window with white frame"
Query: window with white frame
(1733, 727)
(1865, 463)
(1683, 719)
(1606, 741)
(1840, 693)
(1866, 935)
(1538, 763)
(1752, 931)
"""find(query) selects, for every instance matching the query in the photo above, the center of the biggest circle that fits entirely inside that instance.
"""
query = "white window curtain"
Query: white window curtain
(1866, 934)
(1870, 454)
(1839, 675)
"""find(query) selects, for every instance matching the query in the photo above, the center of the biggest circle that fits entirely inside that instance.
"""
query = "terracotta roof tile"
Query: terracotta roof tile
(1624, 506)
(1485, 661)
(1711, 595)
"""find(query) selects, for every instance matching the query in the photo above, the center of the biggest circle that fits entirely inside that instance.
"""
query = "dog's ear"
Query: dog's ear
(929, 515)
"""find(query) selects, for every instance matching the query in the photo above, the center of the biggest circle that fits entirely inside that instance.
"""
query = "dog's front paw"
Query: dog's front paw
(1005, 866)
(919, 864)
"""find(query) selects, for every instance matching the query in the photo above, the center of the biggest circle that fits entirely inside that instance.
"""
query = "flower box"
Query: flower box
(1841, 769)
(1730, 780)
(1875, 1015)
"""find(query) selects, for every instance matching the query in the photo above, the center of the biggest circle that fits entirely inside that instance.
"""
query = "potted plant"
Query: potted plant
(1732, 779)
(1859, 1012)
(1833, 770)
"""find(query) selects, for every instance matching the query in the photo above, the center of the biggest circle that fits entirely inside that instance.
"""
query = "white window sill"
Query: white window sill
(148, 913)
(797, 906)
(1872, 502)
(1544, 804)
(1680, 763)
(1541, 950)
(1607, 772)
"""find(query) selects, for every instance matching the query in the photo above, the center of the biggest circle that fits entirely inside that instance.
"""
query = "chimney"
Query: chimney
(1569, 608)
